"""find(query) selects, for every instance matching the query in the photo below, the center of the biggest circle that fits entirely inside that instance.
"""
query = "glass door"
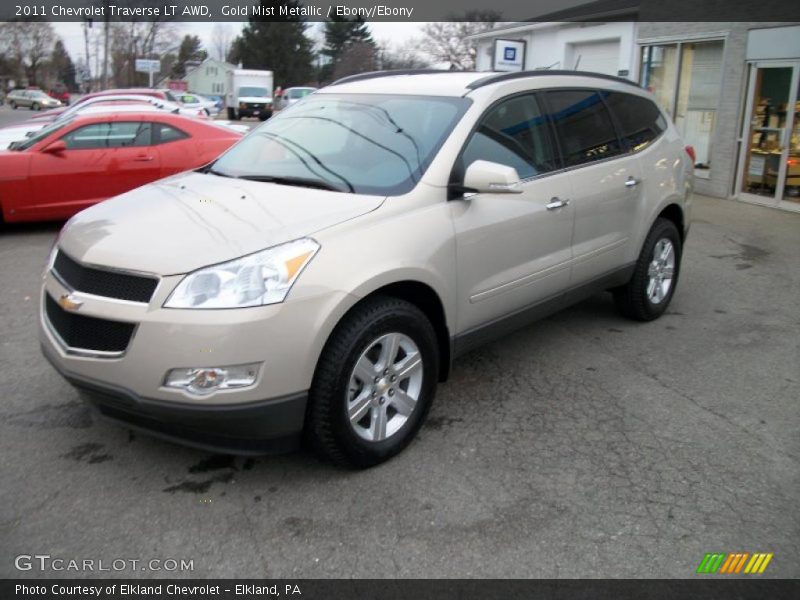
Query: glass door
(769, 172)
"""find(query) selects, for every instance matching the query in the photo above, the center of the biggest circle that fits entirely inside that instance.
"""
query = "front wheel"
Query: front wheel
(34, 106)
(374, 383)
(646, 296)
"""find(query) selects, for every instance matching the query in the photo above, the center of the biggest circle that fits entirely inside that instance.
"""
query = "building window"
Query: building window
(686, 80)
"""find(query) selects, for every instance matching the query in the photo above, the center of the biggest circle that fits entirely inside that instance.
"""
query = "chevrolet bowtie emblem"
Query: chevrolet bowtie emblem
(68, 302)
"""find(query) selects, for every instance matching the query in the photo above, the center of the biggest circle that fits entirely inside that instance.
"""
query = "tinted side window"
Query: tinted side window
(583, 126)
(109, 135)
(169, 134)
(514, 133)
(639, 119)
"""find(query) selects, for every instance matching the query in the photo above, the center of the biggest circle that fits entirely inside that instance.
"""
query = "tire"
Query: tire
(13, 105)
(648, 294)
(34, 106)
(364, 337)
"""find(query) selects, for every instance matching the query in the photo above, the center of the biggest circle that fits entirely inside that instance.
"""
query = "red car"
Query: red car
(69, 166)
(61, 93)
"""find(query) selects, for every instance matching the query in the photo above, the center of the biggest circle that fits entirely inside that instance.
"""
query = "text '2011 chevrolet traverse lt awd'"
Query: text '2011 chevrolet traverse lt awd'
(320, 276)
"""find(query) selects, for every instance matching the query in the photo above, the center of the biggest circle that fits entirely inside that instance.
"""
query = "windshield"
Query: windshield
(38, 136)
(366, 143)
(253, 91)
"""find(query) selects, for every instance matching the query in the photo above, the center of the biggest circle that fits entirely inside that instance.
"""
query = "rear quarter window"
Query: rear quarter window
(583, 126)
(639, 119)
(166, 134)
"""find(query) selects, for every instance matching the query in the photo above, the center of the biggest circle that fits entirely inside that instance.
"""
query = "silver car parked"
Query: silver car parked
(33, 99)
(319, 278)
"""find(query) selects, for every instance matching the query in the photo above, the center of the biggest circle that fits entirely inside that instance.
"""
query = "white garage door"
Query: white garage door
(598, 57)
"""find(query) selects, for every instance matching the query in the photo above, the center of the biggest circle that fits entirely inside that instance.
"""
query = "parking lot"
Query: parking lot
(584, 446)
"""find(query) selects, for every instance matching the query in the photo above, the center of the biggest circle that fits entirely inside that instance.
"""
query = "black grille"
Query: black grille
(104, 283)
(88, 333)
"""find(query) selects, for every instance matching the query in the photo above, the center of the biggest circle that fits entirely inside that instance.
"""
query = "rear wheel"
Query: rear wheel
(374, 384)
(648, 294)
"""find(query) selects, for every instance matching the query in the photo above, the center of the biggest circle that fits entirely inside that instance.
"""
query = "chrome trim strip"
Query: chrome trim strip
(87, 295)
(57, 275)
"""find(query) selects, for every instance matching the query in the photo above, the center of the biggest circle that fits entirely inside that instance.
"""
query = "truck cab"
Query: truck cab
(249, 94)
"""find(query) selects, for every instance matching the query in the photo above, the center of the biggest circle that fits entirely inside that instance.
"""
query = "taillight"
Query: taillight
(691, 153)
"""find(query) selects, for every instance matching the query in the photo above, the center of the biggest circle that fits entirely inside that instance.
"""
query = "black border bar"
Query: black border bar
(703, 587)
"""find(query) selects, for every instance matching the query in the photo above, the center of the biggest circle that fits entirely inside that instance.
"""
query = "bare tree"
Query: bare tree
(139, 39)
(28, 44)
(447, 41)
(221, 40)
(403, 56)
(357, 57)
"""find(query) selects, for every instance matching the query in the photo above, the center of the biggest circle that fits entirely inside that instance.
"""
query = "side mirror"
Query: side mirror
(487, 177)
(56, 147)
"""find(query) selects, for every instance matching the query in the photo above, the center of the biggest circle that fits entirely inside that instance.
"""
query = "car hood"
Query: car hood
(16, 134)
(193, 220)
(255, 99)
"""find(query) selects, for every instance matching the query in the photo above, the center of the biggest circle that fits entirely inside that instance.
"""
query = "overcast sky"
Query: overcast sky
(72, 33)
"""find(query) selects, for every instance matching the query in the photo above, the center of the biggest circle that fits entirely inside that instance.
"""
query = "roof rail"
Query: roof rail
(390, 73)
(498, 77)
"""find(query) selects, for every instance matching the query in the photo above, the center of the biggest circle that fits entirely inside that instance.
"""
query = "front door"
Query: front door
(769, 163)
(513, 250)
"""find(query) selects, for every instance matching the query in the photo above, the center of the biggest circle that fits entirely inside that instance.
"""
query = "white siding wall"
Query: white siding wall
(208, 78)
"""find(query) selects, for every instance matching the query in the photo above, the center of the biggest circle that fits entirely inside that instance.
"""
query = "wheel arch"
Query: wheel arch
(420, 294)
(673, 212)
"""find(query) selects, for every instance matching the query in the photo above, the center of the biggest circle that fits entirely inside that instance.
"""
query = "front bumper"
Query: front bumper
(285, 339)
(250, 111)
(251, 428)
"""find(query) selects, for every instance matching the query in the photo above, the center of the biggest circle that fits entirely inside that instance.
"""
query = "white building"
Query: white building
(608, 48)
(208, 77)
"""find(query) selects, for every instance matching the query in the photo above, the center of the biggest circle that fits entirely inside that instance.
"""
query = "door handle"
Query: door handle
(143, 158)
(555, 203)
(632, 182)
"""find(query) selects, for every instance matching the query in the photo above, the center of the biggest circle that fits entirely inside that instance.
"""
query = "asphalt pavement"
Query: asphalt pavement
(583, 446)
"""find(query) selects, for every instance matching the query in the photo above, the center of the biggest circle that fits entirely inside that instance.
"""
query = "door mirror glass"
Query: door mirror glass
(487, 177)
(56, 147)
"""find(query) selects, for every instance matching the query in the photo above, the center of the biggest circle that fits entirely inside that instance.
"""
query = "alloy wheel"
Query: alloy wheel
(661, 271)
(384, 387)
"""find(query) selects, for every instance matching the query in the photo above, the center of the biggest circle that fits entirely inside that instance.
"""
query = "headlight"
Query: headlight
(253, 280)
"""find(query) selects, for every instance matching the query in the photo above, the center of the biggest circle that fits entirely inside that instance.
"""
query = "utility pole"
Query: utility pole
(105, 52)
(88, 75)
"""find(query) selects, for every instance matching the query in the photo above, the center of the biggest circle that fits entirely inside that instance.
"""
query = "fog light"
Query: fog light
(205, 380)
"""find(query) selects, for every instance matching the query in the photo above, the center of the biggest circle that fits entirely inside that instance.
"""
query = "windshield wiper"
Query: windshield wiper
(298, 181)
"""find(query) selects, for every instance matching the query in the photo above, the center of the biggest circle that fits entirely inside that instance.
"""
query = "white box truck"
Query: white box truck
(248, 93)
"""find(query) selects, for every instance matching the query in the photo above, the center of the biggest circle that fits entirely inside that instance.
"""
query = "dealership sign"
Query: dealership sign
(509, 55)
(144, 65)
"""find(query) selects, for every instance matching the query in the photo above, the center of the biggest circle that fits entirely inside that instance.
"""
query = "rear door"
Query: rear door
(102, 159)
(605, 181)
(513, 250)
